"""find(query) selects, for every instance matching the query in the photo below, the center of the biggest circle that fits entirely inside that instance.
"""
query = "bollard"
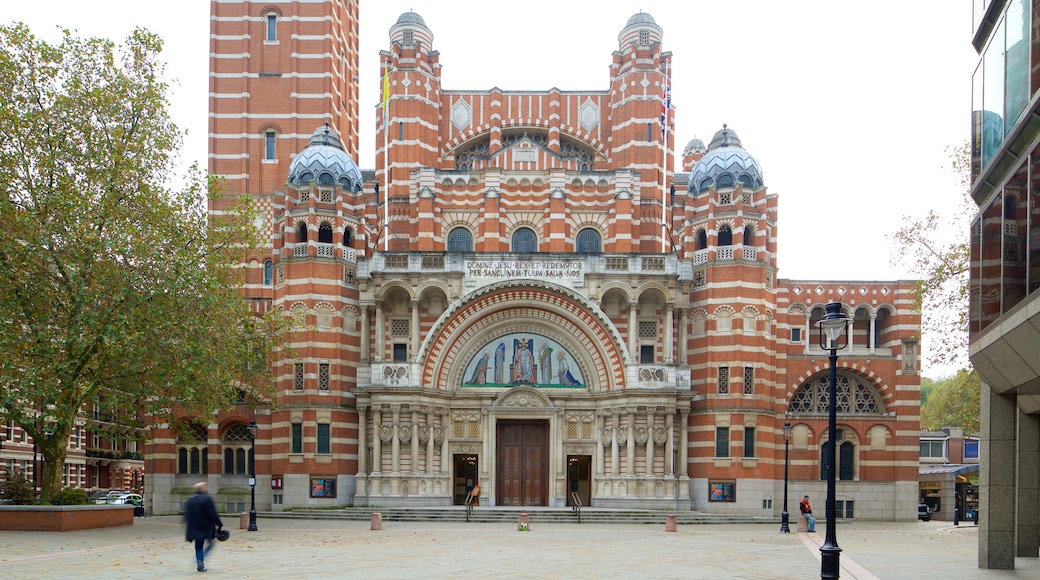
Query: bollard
(377, 521)
(803, 524)
(243, 521)
(523, 522)
(670, 523)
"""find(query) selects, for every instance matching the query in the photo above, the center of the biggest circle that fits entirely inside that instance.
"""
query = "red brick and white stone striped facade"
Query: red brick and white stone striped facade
(412, 349)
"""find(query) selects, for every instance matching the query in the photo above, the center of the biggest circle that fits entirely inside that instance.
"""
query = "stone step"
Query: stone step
(501, 515)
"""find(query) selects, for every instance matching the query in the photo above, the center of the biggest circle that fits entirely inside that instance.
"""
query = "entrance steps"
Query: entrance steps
(538, 515)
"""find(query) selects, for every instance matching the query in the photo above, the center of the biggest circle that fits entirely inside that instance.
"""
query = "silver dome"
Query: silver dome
(325, 163)
(725, 164)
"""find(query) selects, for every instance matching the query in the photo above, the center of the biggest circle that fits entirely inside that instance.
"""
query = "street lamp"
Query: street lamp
(784, 517)
(833, 336)
(252, 476)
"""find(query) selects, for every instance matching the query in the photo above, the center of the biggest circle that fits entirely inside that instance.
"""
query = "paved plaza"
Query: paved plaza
(284, 549)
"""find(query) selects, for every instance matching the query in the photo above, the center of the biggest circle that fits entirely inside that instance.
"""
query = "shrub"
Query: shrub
(18, 490)
(71, 496)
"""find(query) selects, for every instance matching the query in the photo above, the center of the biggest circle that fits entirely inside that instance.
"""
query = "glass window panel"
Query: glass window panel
(975, 277)
(1033, 237)
(722, 442)
(272, 27)
(749, 441)
(269, 145)
(524, 240)
(971, 449)
(297, 438)
(1016, 62)
(588, 241)
(1016, 220)
(324, 438)
(993, 96)
(977, 116)
(992, 255)
(460, 240)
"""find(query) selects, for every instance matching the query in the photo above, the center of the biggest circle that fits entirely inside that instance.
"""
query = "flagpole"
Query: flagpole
(386, 162)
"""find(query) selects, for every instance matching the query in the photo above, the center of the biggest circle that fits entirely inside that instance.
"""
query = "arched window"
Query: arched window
(588, 241)
(325, 178)
(746, 180)
(191, 450)
(702, 239)
(854, 396)
(268, 273)
(269, 142)
(881, 323)
(846, 459)
(271, 28)
(348, 237)
(301, 232)
(705, 185)
(460, 240)
(237, 445)
(725, 236)
(749, 236)
(725, 180)
(325, 233)
(524, 240)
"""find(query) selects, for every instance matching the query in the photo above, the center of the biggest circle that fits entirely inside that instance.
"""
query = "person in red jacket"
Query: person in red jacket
(806, 510)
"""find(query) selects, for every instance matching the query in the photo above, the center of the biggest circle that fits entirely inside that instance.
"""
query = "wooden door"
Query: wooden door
(522, 463)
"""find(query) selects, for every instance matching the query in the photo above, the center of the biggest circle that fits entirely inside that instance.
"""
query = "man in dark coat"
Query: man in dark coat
(200, 514)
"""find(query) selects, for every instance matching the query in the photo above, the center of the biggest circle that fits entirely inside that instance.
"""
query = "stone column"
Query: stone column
(364, 332)
(684, 337)
(650, 441)
(429, 441)
(1028, 492)
(362, 443)
(669, 446)
(395, 441)
(380, 347)
(615, 452)
(414, 350)
(669, 334)
(415, 440)
(684, 442)
(631, 444)
(600, 459)
(633, 335)
(870, 339)
(997, 480)
(445, 451)
(377, 441)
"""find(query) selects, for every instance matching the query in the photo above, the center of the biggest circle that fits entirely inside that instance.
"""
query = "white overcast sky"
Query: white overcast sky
(848, 106)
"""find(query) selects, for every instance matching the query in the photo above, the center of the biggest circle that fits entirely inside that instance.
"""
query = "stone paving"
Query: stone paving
(154, 548)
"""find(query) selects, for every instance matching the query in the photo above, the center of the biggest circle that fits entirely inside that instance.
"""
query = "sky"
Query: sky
(849, 107)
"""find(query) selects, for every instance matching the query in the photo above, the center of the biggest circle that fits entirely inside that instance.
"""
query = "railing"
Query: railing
(470, 499)
(724, 253)
(576, 505)
(349, 255)
(700, 257)
(325, 250)
(300, 250)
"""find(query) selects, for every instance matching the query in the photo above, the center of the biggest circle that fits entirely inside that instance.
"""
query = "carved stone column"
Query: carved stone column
(599, 448)
(615, 451)
(684, 441)
(684, 337)
(395, 442)
(415, 440)
(669, 449)
(377, 439)
(380, 347)
(669, 334)
(633, 336)
(650, 440)
(362, 437)
(365, 332)
(630, 469)
(414, 350)
(429, 441)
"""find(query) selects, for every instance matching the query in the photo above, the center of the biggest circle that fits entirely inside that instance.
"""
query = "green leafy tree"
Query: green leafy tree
(954, 402)
(119, 293)
(935, 250)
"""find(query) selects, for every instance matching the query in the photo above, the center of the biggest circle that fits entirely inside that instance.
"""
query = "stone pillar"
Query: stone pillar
(669, 334)
(600, 459)
(362, 436)
(669, 446)
(630, 469)
(414, 350)
(445, 455)
(377, 440)
(615, 452)
(415, 441)
(650, 441)
(380, 347)
(364, 332)
(1028, 484)
(633, 335)
(870, 339)
(997, 481)
(429, 441)
(684, 338)
(684, 442)
(395, 441)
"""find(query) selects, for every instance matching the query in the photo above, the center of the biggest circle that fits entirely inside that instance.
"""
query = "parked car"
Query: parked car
(100, 496)
(127, 498)
(924, 513)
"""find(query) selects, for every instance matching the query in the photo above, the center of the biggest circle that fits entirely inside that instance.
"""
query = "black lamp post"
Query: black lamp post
(252, 477)
(785, 528)
(833, 336)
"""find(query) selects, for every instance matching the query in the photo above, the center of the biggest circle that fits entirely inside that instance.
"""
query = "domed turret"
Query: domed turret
(640, 30)
(325, 163)
(409, 30)
(725, 164)
(695, 146)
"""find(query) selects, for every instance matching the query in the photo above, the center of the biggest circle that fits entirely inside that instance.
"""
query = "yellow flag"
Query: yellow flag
(386, 88)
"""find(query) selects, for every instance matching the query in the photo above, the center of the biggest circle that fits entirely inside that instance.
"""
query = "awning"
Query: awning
(944, 468)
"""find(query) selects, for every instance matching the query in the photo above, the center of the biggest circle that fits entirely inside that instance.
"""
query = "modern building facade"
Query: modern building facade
(1005, 273)
(523, 296)
(949, 474)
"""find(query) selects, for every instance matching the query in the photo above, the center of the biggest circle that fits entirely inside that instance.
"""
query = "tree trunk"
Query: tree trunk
(53, 464)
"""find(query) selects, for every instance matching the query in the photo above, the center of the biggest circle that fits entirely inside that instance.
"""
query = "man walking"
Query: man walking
(202, 520)
(806, 510)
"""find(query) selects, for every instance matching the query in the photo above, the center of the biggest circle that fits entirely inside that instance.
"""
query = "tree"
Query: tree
(954, 402)
(941, 267)
(119, 294)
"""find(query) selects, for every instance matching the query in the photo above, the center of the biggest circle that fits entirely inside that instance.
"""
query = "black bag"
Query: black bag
(223, 534)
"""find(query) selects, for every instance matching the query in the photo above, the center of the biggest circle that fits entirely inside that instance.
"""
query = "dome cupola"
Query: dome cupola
(324, 162)
(725, 165)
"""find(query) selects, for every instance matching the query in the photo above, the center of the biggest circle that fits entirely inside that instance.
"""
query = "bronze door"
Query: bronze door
(522, 462)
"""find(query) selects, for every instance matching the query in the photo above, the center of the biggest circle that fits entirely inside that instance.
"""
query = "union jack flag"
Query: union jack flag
(666, 103)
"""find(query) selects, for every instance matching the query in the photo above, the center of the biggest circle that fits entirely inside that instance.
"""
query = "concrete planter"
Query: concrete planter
(63, 518)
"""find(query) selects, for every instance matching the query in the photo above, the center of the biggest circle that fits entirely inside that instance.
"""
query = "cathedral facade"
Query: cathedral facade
(525, 297)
